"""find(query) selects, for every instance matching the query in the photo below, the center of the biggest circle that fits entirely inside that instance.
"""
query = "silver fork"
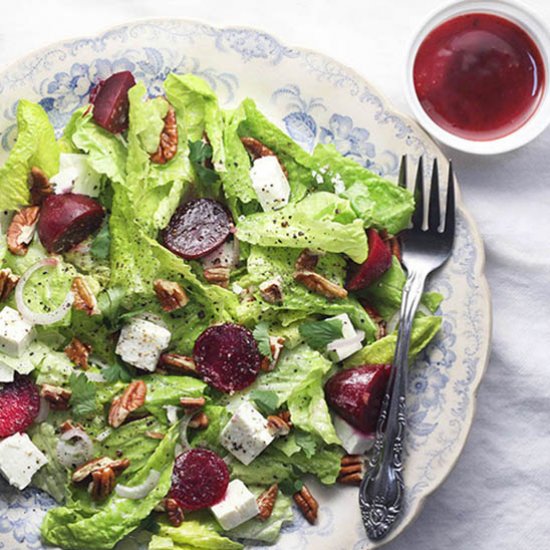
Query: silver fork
(425, 249)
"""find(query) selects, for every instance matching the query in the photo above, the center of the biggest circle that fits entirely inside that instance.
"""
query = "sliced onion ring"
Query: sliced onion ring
(139, 491)
(32, 316)
(43, 411)
(77, 453)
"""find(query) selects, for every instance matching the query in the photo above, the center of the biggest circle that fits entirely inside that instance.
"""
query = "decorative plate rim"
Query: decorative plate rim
(480, 262)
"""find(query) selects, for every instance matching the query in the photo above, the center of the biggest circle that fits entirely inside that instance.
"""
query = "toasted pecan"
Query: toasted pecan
(218, 275)
(266, 502)
(78, 352)
(177, 363)
(351, 470)
(84, 299)
(320, 285)
(132, 398)
(174, 512)
(307, 260)
(57, 397)
(102, 484)
(272, 290)
(8, 281)
(276, 344)
(168, 146)
(40, 186)
(279, 424)
(82, 473)
(307, 504)
(199, 421)
(256, 149)
(171, 295)
(21, 230)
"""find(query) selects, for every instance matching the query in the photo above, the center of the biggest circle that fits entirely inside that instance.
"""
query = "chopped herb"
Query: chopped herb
(265, 400)
(261, 334)
(116, 372)
(318, 334)
(101, 244)
(291, 486)
(199, 153)
(82, 402)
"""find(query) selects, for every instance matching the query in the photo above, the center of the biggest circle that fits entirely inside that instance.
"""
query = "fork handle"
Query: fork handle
(382, 491)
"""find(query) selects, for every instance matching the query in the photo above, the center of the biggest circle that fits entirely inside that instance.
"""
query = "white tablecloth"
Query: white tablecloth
(498, 496)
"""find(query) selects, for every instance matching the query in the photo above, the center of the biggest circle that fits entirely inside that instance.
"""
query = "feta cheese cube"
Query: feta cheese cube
(7, 374)
(348, 331)
(238, 505)
(20, 459)
(345, 347)
(270, 183)
(15, 333)
(141, 342)
(76, 176)
(247, 434)
(353, 441)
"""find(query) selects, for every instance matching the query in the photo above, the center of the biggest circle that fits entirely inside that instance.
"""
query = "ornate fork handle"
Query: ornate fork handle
(382, 490)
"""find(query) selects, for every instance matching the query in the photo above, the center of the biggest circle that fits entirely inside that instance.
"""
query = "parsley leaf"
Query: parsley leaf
(109, 302)
(116, 372)
(199, 153)
(83, 402)
(101, 245)
(318, 334)
(265, 400)
(261, 334)
(291, 486)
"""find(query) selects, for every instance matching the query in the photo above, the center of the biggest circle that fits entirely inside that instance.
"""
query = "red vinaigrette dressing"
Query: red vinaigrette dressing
(479, 76)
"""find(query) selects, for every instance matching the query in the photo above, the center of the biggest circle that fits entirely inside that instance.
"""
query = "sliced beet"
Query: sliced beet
(68, 219)
(110, 101)
(377, 263)
(356, 394)
(19, 405)
(198, 227)
(227, 357)
(199, 479)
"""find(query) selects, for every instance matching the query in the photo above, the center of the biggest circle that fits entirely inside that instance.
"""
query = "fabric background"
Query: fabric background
(498, 496)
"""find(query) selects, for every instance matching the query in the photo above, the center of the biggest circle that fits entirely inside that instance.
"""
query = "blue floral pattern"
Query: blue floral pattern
(316, 100)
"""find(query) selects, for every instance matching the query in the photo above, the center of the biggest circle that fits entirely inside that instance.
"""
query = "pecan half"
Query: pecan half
(377, 318)
(351, 470)
(276, 343)
(102, 484)
(320, 285)
(256, 149)
(217, 275)
(199, 421)
(170, 295)
(21, 230)
(191, 404)
(154, 435)
(82, 473)
(266, 502)
(132, 398)
(307, 504)
(168, 146)
(8, 281)
(78, 352)
(69, 425)
(307, 260)
(178, 364)
(84, 299)
(39, 185)
(57, 397)
(174, 512)
(279, 424)
(272, 290)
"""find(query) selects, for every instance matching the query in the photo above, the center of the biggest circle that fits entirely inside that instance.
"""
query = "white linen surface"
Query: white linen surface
(498, 496)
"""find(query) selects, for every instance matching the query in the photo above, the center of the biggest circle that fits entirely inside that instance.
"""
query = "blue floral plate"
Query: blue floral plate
(315, 99)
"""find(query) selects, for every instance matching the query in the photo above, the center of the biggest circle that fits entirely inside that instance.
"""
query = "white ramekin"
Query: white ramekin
(540, 34)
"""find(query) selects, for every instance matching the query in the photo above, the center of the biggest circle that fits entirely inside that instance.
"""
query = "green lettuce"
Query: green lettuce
(377, 201)
(191, 535)
(383, 350)
(35, 146)
(321, 221)
(76, 527)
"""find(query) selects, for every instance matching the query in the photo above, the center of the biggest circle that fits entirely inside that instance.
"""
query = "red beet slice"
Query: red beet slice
(19, 405)
(356, 394)
(110, 100)
(377, 263)
(198, 227)
(199, 479)
(227, 357)
(66, 220)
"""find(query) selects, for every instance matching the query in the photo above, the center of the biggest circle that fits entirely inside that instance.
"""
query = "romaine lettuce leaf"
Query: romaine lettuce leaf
(35, 146)
(191, 535)
(75, 527)
(383, 350)
(321, 221)
(377, 201)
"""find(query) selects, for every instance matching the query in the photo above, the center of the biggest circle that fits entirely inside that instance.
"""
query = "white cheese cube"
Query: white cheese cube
(353, 441)
(345, 347)
(7, 374)
(141, 342)
(270, 183)
(348, 331)
(247, 434)
(76, 176)
(20, 459)
(238, 505)
(15, 333)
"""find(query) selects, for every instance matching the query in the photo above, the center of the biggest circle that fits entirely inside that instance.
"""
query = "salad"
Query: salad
(197, 318)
